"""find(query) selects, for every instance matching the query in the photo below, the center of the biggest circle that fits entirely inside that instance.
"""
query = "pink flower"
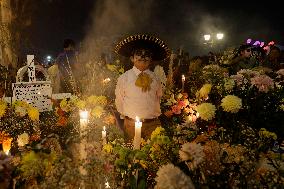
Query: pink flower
(280, 72)
(238, 79)
(176, 109)
(263, 83)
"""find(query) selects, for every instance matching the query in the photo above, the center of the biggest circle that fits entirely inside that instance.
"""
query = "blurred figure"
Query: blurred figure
(68, 67)
(272, 60)
(196, 64)
(243, 59)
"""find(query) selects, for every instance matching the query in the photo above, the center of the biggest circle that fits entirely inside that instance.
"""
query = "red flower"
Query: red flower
(176, 109)
(35, 137)
(185, 95)
(60, 112)
(168, 113)
(62, 121)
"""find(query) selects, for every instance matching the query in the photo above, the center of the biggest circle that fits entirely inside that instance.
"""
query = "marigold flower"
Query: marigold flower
(33, 114)
(231, 103)
(206, 111)
(204, 91)
(62, 121)
(97, 111)
(3, 107)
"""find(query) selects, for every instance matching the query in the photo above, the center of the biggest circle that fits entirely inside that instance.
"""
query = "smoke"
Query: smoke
(179, 23)
(114, 19)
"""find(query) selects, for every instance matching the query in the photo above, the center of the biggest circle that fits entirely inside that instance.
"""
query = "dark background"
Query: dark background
(181, 23)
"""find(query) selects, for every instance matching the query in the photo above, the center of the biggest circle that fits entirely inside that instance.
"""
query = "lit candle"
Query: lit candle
(6, 145)
(84, 114)
(104, 135)
(182, 80)
(137, 136)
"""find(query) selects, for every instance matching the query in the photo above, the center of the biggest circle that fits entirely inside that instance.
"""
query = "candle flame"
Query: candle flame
(137, 118)
(106, 80)
(104, 128)
(183, 78)
(84, 114)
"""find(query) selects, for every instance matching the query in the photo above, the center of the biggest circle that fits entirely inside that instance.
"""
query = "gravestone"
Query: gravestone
(36, 93)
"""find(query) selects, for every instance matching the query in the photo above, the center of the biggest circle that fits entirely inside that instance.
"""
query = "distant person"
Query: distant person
(69, 68)
(273, 59)
(243, 59)
(195, 65)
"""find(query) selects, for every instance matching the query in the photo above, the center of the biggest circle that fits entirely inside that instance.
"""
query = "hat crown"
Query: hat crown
(143, 41)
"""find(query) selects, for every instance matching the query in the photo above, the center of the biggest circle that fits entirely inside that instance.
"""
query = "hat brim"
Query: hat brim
(127, 46)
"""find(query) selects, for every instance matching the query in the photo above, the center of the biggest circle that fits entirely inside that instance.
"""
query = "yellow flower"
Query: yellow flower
(206, 111)
(231, 103)
(204, 91)
(20, 104)
(80, 104)
(3, 107)
(282, 107)
(266, 134)
(109, 120)
(121, 70)
(107, 148)
(102, 100)
(33, 114)
(157, 131)
(97, 100)
(229, 84)
(179, 96)
(92, 100)
(111, 67)
(97, 111)
(63, 103)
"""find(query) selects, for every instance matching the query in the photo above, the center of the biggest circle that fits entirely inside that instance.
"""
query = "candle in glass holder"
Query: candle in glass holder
(137, 136)
(182, 80)
(6, 145)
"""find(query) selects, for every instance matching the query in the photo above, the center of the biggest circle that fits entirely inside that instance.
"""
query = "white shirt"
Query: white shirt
(131, 101)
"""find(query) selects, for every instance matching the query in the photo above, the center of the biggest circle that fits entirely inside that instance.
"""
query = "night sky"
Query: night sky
(179, 23)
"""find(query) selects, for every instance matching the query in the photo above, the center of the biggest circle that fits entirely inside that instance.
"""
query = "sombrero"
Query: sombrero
(158, 47)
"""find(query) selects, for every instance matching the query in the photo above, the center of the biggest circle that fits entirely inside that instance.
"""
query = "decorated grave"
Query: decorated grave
(221, 132)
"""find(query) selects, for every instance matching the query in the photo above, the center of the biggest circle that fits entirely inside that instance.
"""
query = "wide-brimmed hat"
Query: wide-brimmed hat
(158, 47)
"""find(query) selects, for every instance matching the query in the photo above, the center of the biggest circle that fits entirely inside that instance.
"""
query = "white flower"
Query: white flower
(193, 152)
(171, 177)
(23, 139)
(159, 72)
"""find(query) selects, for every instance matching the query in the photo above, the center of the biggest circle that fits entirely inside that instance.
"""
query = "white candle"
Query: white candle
(137, 137)
(182, 80)
(104, 133)
(84, 114)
